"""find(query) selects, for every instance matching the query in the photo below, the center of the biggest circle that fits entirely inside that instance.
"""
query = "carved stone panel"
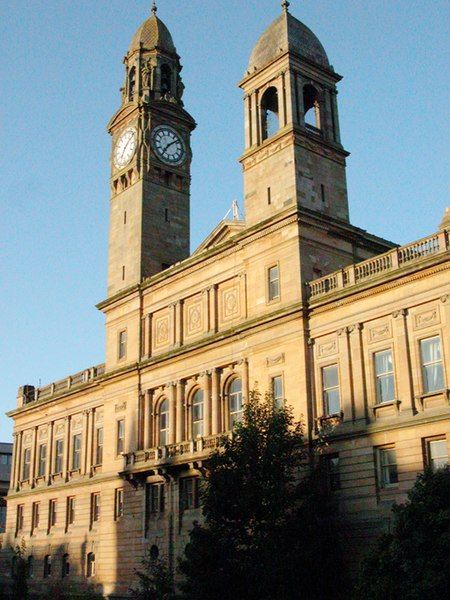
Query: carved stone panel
(381, 331)
(77, 422)
(162, 329)
(327, 347)
(231, 294)
(194, 317)
(426, 318)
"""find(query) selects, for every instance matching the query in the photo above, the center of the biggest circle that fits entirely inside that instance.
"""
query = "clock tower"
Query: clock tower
(150, 162)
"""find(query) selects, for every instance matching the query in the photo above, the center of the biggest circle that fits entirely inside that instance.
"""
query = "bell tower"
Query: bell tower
(293, 152)
(150, 162)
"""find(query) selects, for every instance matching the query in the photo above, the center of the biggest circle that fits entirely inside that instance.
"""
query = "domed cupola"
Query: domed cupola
(151, 35)
(285, 34)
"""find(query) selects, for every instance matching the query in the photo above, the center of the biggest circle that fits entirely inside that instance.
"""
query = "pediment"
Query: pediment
(224, 231)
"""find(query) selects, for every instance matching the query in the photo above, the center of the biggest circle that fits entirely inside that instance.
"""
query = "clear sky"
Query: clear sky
(61, 71)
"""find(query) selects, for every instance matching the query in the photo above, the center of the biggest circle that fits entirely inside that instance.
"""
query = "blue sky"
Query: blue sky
(61, 72)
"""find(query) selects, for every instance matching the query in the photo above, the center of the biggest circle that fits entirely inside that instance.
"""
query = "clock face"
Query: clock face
(125, 147)
(168, 145)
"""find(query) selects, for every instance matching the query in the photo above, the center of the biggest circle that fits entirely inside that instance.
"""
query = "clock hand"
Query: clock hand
(170, 144)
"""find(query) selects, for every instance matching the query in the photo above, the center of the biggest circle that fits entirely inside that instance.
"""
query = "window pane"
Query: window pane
(383, 362)
(385, 388)
(433, 377)
(330, 377)
(274, 284)
(332, 402)
(431, 349)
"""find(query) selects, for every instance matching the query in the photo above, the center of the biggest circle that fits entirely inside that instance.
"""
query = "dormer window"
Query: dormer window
(312, 107)
(270, 121)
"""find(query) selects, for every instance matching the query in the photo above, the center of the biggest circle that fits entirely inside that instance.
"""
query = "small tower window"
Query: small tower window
(166, 79)
(312, 106)
(131, 83)
(270, 121)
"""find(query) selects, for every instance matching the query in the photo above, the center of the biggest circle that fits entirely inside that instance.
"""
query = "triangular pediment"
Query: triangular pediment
(220, 234)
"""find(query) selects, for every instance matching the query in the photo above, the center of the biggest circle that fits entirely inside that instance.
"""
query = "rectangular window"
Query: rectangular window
(155, 498)
(118, 504)
(70, 518)
(90, 565)
(76, 452)
(273, 283)
(35, 516)
(59, 456)
(47, 566)
(19, 518)
(384, 373)
(5, 459)
(122, 345)
(42, 461)
(52, 505)
(26, 464)
(437, 453)
(330, 390)
(277, 391)
(120, 444)
(95, 508)
(189, 493)
(432, 367)
(332, 472)
(387, 467)
(99, 446)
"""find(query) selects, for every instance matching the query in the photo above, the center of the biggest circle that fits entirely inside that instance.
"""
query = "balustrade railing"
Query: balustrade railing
(378, 265)
(67, 383)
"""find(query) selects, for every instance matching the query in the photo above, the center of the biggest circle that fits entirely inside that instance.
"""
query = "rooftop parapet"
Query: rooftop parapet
(383, 264)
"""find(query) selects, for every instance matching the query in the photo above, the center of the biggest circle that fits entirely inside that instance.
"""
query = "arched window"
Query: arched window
(131, 83)
(166, 79)
(65, 566)
(90, 565)
(311, 106)
(235, 402)
(30, 566)
(197, 414)
(164, 423)
(269, 113)
(47, 566)
(154, 552)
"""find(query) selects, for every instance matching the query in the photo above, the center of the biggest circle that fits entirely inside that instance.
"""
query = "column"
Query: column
(173, 318)
(180, 412)
(215, 401)
(403, 377)
(172, 412)
(358, 373)
(248, 120)
(334, 108)
(148, 336)
(345, 375)
(15, 471)
(146, 420)
(179, 323)
(90, 441)
(328, 125)
(284, 117)
(256, 118)
(33, 456)
(301, 106)
(206, 385)
(48, 466)
(212, 312)
(66, 461)
(85, 435)
(445, 300)
(245, 380)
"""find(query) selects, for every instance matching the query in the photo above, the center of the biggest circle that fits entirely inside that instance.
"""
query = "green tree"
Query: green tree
(155, 581)
(19, 572)
(267, 532)
(413, 562)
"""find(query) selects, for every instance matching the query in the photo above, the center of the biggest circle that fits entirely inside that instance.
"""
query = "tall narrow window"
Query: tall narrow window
(30, 566)
(47, 566)
(35, 515)
(123, 273)
(76, 452)
(273, 275)
(235, 402)
(90, 565)
(437, 453)
(312, 108)
(189, 493)
(197, 414)
(131, 83)
(155, 498)
(432, 367)
(330, 390)
(384, 373)
(42, 461)
(118, 503)
(19, 518)
(270, 123)
(70, 518)
(120, 442)
(65, 566)
(26, 464)
(387, 467)
(332, 471)
(166, 79)
(95, 508)
(164, 423)
(277, 391)
(59, 455)
(52, 506)
(124, 217)
(166, 215)
(122, 352)
(99, 446)
(269, 196)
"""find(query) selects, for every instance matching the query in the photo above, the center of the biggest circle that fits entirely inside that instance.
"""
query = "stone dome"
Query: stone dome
(287, 33)
(153, 34)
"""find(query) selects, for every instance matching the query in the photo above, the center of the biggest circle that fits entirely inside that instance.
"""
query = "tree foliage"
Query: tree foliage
(155, 581)
(267, 533)
(413, 562)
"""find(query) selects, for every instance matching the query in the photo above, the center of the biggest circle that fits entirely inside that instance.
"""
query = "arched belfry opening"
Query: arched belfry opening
(270, 120)
(131, 83)
(166, 79)
(311, 104)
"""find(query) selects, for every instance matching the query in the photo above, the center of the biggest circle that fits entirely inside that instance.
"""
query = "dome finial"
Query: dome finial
(154, 8)
(285, 5)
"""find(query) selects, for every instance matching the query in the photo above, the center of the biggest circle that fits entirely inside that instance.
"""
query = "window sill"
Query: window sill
(391, 408)
(329, 421)
(433, 399)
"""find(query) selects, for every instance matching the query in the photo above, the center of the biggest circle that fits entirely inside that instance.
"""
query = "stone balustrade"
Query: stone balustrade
(379, 265)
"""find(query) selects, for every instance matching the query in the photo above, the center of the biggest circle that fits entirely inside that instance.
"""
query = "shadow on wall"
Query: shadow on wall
(48, 576)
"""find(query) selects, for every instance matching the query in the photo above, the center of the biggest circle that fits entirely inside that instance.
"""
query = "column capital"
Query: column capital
(355, 327)
(403, 312)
